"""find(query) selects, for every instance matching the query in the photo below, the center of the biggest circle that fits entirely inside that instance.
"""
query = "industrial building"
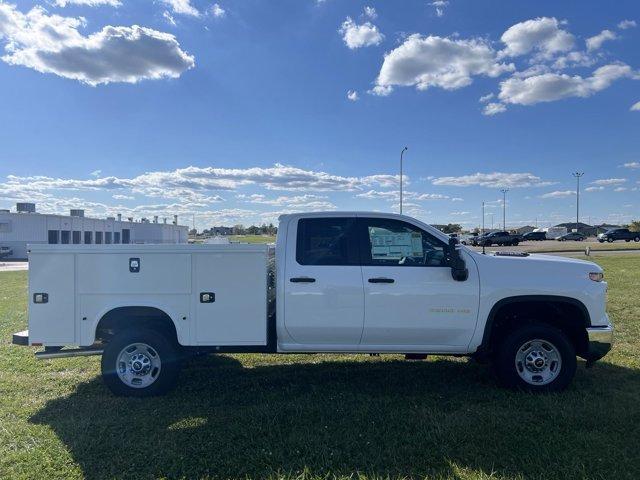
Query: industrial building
(25, 226)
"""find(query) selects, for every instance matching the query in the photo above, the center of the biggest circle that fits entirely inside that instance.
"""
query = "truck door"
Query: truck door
(411, 301)
(324, 298)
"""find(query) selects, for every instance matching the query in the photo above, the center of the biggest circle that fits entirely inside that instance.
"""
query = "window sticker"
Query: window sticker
(386, 245)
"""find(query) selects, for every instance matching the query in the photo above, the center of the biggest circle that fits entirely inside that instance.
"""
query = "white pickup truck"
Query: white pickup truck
(340, 282)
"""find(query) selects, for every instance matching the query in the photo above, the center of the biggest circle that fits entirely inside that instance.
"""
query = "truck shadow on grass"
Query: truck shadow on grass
(440, 418)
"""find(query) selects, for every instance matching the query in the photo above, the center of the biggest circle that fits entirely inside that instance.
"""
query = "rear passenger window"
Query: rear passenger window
(327, 241)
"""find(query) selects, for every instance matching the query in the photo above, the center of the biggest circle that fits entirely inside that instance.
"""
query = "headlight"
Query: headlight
(596, 276)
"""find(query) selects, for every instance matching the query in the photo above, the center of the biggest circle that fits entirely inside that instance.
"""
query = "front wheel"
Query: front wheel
(140, 363)
(636, 239)
(537, 358)
(610, 240)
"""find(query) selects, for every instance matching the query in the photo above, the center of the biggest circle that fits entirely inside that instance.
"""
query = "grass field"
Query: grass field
(312, 416)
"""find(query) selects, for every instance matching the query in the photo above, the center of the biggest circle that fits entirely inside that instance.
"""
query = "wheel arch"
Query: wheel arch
(122, 317)
(567, 314)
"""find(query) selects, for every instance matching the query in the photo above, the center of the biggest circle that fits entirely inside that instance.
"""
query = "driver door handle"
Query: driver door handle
(302, 280)
(381, 280)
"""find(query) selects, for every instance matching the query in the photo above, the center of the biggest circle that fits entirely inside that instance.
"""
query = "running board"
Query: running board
(78, 352)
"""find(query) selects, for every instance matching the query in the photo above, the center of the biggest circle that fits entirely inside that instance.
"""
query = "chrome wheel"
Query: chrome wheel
(138, 365)
(538, 362)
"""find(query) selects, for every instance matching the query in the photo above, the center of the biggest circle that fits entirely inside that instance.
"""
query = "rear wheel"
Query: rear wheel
(140, 363)
(610, 240)
(636, 239)
(537, 358)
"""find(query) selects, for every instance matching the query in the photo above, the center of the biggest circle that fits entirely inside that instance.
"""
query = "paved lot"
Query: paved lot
(13, 266)
(555, 246)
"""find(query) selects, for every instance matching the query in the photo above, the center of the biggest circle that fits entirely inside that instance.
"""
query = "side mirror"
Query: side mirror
(459, 271)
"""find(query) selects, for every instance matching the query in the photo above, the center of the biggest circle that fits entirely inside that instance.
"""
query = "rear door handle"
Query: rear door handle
(381, 280)
(302, 280)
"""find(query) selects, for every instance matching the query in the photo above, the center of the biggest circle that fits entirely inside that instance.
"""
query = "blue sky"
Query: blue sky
(237, 111)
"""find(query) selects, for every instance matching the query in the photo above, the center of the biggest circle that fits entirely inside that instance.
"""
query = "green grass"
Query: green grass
(313, 416)
(252, 238)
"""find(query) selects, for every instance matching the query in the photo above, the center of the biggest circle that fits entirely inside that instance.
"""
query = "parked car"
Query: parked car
(575, 236)
(5, 252)
(534, 236)
(619, 234)
(499, 238)
(335, 282)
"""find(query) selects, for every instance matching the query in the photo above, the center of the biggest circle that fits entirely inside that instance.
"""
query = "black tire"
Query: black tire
(601, 241)
(507, 351)
(167, 352)
(610, 240)
(515, 243)
(636, 239)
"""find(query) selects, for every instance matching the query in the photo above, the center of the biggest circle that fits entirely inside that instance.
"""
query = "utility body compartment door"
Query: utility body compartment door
(53, 322)
(229, 298)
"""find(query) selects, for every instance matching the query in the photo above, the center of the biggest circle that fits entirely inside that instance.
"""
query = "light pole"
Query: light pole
(401, 155)
(482, 233)
(504, 208)
(577, 175)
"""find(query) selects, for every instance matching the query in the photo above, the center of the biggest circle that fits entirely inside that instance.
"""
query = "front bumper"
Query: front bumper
(600, 342)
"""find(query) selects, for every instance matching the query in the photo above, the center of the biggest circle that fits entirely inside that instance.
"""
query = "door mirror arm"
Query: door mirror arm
(459, 271)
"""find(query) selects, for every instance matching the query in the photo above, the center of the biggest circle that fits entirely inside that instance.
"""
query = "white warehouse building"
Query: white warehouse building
(25, 226)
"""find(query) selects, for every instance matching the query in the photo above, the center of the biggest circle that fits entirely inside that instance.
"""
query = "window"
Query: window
(394, 242)
(107, 237)
(98, 238)
(116, 237)
(327, 241)
(76, 237)
(54, 237)
(126, 235)
(88, 238)
(65, 237)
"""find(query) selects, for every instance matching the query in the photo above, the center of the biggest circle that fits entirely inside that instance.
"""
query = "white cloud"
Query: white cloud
(486, 98)
(542, 35)
(439, 6)
(435, 61)
(460, 214)
(620, 189)
(370, 12)
(635, 107)
(118, 196)
(493, 108)
(217, 11)
(307, 202)
(182, 7)
(594, 189)
(595, 42)
(53, 44)
(625, 24)
(549, 87)
(574, 59)
(88, 3)
(169, 18)
(352, 95)
(357, 36)
(96, 173)
(609, 181)
(632, 165)
(394, 195)
(493, 180)
(558, 194)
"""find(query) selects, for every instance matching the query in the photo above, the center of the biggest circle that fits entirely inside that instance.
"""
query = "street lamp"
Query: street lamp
(577, 175)
(482, 233)
(401, 155)
(504, 208)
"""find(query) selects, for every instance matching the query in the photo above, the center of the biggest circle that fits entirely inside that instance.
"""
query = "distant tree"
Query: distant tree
(634, 226)
(193, 232)
(451, 228)
(238, 229)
